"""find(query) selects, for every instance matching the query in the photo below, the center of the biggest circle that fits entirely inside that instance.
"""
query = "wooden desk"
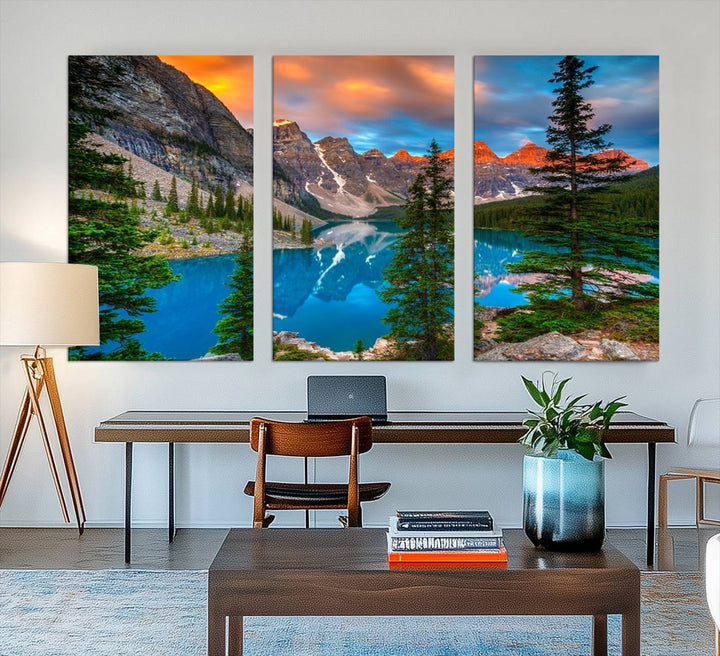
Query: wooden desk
(345, 572)
(206, 426)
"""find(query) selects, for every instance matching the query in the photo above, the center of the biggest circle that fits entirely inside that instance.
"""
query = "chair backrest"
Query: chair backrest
(311, 439)
(704, 423)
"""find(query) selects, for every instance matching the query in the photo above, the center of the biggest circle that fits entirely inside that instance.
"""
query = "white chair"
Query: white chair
(712, 584)
(703, 430)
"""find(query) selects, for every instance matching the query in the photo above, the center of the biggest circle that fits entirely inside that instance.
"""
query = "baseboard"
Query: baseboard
(233, 524)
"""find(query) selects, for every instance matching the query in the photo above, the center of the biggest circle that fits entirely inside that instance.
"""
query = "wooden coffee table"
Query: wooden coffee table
(279, 572)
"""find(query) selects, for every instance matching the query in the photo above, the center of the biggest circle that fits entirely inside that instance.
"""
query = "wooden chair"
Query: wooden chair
(701, 477)
(703, 429)
(349, 437)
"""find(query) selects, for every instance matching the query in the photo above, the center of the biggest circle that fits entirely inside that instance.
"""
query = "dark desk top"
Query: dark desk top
(404, 426)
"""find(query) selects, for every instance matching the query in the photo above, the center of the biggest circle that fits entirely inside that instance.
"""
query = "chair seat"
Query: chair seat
(318, 495)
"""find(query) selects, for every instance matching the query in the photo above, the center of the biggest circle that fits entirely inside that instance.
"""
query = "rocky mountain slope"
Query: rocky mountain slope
(501, 178)
(329, 173)
(162, 116)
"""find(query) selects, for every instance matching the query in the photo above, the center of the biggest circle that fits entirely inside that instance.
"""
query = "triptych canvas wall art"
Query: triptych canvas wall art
(363, 221)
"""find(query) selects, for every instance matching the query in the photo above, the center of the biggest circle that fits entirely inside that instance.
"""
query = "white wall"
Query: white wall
(38, 36)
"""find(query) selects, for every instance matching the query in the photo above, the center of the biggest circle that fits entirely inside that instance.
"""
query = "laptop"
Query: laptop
(343, 397)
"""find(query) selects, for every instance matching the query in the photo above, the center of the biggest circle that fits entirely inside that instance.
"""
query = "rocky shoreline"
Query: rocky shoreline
(287, 342)
(589, 345)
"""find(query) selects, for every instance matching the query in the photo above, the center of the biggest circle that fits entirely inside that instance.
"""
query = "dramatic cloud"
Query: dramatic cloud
(383, 102)
(230, 78)
(513, 97)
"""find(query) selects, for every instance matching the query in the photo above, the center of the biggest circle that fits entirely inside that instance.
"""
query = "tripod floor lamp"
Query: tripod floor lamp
(46, 304)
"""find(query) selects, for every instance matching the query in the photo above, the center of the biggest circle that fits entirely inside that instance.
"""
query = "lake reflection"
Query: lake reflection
(494, 250)
(328, 294)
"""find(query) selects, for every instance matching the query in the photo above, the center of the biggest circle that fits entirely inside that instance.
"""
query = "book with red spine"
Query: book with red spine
(449, 557)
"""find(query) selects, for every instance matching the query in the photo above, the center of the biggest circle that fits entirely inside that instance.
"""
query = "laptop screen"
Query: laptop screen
(341, 397)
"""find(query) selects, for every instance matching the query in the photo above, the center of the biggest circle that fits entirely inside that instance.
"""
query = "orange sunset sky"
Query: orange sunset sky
(229, 77)
(386, 102)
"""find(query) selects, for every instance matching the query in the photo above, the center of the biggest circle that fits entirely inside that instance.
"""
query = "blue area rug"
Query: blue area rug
(135, 612)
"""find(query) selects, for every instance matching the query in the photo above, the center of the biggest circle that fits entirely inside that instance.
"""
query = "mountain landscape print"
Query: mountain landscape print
(566, 208)
(363, 219)
(160, 170)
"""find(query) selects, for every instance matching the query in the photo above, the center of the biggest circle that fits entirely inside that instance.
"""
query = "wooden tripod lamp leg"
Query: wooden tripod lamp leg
(35, 376)
(18, 437)
(39, 374)
(30, 406)
(54, 395)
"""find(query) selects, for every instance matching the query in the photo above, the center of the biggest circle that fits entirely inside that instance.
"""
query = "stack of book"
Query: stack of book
(445, 538)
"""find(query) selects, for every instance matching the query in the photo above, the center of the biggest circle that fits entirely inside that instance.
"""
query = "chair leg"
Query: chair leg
(699, 501)
(662, 501)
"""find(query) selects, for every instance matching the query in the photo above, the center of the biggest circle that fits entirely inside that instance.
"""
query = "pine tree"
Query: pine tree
(107, 234)
(219, 202)
(590, 253)
(235, 330)
(306, 232)
(230, 204)
(420, 276)
(210, 207)
(194, 211)
(172, 206)
(156, 195)
(359, 349)
(242, 207)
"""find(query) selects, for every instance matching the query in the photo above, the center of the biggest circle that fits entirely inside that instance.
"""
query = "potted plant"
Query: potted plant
(564, 468)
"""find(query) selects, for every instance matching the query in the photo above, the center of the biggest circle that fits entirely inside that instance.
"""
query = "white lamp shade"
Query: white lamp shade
(48, 304)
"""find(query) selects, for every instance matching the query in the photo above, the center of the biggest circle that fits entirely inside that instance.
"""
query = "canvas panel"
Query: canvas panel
(161, 200)
(351, 136)
(566, 255)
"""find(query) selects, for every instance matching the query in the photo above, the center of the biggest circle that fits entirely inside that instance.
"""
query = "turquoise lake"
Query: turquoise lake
(327, 295)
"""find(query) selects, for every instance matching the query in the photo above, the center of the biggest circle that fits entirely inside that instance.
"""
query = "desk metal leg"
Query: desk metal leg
(307, 512)
(128, 497)
(171, 491)
(651, 505)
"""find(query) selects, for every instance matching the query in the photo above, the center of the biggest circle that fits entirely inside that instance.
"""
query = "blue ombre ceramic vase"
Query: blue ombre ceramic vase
(564, 501)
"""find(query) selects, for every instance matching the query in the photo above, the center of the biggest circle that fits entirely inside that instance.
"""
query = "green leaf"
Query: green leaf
(586, 451)
(534, 392)
(558, 392)
(576, 400)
